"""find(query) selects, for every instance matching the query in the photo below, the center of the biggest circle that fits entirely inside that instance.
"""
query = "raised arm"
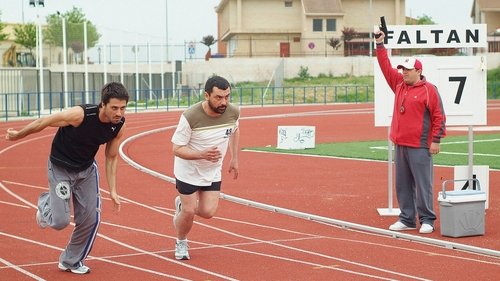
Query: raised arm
(72, 116)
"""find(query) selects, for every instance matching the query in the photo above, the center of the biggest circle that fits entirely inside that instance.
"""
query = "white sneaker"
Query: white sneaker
(399, 226)
(426, 228)
(82, 269)
(181, 250)
(39, 220)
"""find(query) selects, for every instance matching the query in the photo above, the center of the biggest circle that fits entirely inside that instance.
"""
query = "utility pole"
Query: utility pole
(37, 4)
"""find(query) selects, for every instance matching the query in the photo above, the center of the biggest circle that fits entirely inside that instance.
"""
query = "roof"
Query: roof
(319, 7)
(486, 6)
(493, 5)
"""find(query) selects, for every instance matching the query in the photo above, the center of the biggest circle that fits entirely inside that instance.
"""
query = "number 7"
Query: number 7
(460, 79)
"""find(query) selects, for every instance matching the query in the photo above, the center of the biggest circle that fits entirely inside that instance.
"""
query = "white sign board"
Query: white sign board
(461, 83)
(481, 173)
(296, 137)
(436, 36)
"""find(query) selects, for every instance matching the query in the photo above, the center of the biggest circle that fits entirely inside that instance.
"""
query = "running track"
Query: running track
(242, 242)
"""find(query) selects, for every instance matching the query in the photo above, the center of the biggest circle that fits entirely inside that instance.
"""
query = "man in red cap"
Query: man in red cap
(418, 124)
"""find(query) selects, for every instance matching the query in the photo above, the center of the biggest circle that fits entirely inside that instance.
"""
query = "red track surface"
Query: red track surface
(241, 242)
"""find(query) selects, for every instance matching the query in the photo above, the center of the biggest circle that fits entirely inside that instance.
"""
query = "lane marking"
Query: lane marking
(17, 268)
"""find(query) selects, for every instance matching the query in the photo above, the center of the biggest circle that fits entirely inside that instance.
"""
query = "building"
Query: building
(305, 28)
(292, 28)
(488, 11)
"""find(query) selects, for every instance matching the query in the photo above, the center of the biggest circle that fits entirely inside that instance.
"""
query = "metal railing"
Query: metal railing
(26, 105)
(29, 105)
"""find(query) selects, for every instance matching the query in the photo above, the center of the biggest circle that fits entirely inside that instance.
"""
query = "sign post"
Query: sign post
(191, 49)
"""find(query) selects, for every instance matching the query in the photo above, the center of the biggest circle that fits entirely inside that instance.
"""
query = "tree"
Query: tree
(75, 19)
(208, 41)
(423, 20)
(348, 33)
(3, 36)
(334, 43)
(26, 36)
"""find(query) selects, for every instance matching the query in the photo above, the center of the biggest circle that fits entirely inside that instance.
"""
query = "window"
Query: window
(317, 24)
(331, 25)
(288, 3)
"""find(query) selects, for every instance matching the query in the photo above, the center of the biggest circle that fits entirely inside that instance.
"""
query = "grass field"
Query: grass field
(454, 150)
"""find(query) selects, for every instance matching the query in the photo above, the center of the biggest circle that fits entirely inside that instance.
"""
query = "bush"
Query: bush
(304, 73)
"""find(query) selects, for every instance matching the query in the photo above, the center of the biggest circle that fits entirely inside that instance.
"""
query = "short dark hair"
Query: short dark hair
(216, 81)
(113, 90)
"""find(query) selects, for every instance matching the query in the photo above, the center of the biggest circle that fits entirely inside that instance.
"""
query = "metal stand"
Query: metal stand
(390, 211)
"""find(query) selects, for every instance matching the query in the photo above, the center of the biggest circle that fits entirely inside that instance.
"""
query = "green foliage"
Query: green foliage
(3, 36)
(247, 84)
(493, 75)
(322, 75)
(75, 19)
(208, 41)
(493, 83)
(304, 73)
(26, 35)
(423, 20)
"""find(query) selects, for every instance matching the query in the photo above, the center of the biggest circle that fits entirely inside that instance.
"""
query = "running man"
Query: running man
(200, 142)
(73, 172)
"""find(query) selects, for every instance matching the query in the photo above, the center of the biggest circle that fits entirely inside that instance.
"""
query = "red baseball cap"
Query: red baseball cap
(411, 63)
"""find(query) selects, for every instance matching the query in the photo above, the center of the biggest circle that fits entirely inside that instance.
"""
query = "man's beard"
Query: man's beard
(220, 109)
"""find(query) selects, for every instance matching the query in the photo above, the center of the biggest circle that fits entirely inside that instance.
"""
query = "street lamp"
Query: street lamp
(35, 3)
(65, 58)
(38, 3)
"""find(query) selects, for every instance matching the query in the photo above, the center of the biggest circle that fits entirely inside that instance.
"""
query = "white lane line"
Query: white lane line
(91, 257)
(125, 244)
(13, 204)
(17, 268)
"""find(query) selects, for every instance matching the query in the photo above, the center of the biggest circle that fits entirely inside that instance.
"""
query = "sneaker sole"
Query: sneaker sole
(182, 258)
(63, 268)
(41, 224)
(403, 229)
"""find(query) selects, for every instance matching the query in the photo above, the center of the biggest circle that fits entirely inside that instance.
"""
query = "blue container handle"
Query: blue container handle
(444, 185)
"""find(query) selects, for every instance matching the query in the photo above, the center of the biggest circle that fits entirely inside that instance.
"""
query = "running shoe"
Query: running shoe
(82, 269)
(181, 250)
(39, 220)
